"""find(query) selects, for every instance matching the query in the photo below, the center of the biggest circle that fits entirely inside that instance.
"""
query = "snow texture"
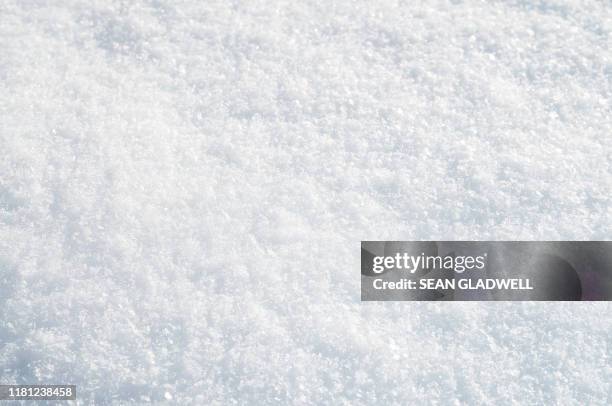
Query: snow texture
(184, 186)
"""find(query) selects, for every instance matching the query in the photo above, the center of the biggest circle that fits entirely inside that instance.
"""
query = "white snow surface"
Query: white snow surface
(184, 186)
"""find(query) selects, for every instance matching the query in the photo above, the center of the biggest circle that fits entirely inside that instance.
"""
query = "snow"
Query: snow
(184, 186)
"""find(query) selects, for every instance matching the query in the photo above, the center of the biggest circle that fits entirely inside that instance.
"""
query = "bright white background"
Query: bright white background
(184, 186)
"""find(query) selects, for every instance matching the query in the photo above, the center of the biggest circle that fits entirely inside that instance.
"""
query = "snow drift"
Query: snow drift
(184, 185)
